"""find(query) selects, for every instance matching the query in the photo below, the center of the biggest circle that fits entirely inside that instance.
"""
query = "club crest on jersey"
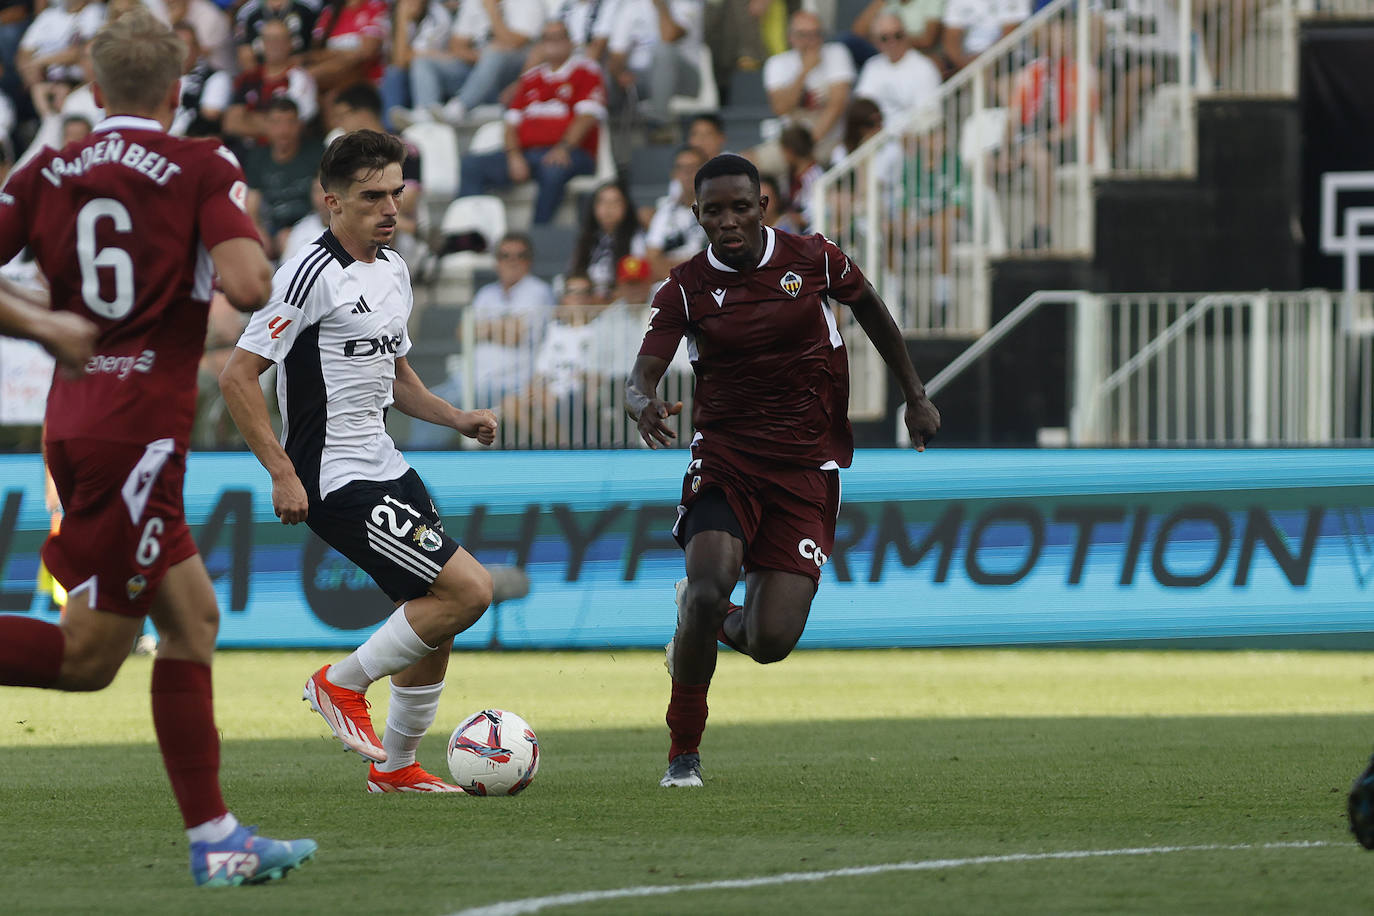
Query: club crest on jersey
(427, 538)
(696, 484)
(791, 284)
(135, 586)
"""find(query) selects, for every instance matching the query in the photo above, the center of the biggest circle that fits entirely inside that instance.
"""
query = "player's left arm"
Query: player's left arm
(922, 418)
(413, 399)
(66, 335)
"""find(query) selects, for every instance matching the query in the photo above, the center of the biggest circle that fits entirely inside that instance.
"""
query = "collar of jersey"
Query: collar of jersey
(128, 122)
(767, 253)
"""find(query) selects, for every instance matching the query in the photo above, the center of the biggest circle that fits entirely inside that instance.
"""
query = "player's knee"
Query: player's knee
(766, 651)
(707, 600)
(465, 594)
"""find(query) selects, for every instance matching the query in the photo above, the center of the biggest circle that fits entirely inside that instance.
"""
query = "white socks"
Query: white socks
(213, 831)
(392, 648)
(410, 715)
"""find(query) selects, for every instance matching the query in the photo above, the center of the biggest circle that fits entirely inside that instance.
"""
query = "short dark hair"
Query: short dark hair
(714, 120)
(282, 103)
(360, 96)
(520, 238)
(797, 140)
(360, 149)
(727, 164)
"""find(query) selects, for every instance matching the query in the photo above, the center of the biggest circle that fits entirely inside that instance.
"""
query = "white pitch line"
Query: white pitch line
(535, 904)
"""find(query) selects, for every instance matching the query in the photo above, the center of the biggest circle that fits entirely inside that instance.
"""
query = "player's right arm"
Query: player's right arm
(66, 335)
(667, 323)
(247, 405)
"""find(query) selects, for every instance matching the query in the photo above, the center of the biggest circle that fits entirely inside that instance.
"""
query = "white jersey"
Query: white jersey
(334, 327)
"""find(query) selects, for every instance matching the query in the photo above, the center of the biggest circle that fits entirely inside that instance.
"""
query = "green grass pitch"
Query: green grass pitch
(1225, 771)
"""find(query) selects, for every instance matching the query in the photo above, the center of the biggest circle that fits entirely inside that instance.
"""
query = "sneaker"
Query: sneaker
(401, 118)
(1360, 807)
(243, 857)
(411, 778)
(679, 596)
(346, 713)
(451, 112)
(684, 770)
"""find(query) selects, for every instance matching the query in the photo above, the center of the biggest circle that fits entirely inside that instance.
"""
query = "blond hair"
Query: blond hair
(137, 59)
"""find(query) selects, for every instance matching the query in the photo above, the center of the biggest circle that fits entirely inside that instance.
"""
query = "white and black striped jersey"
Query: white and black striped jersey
(335, 326)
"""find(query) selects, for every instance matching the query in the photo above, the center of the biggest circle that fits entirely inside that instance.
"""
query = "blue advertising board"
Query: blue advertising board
(945, 548)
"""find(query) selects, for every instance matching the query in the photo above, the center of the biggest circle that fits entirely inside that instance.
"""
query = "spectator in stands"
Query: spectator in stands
(732, 30)
(920, 20)
(347, 44)
(213, 28)
(898, 78)
(807, 84)
(280, 175)
(50, 53)
(706, 132)
(589, 24)
(277, 76)
(309, 227)
(610, 231)
(75, 128)
(298, 16)
(15, 16)
(551, 127)
(491, 39)
(674, 234)
(777, 201)
(654, 54)
(554, 400)
(799, 153)
(422, 72)
(973, 26)
(204, 93)
(1139, 50)
(862, 119)
(359, 107)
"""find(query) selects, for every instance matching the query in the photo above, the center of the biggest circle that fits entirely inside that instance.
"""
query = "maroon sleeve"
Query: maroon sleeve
(843, 279)
(667, 322)
(222, 211)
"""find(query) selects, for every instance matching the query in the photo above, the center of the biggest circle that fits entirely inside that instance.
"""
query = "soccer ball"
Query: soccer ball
(493, 752)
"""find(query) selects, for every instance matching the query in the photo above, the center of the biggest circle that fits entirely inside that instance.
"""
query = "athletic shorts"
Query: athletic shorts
(785, 515)
(123, 524)
(390, 528)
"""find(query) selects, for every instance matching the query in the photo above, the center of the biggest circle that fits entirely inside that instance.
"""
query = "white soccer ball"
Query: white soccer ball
(493, 752)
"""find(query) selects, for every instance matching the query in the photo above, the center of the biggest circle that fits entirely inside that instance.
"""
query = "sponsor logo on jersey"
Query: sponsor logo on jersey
(809, 549)
(427, 538)
(278, 324)
(791, 284)
(120, 366)
(135, 586)
(371, 346)
(719, 296)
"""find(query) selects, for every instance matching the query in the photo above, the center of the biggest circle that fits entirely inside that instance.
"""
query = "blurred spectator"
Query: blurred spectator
(277, 76)
(610, 231)
(937, 197)
(674, 234)
(79, 101)
(588, 22)
(706, 132)
(777, 201)
(204, 93)
(280, 175)
(15, 16)
(807, 84)
(359, 107)
(799, 152)
(422, 72)
(298, 16)
(214, 30)
(973, 26)
(1139, 42)
(920, 20)
(899, 79)
(490, 39)
(75, 128)
(654, 54)
(732, 30)
(50, 56)
(347, 43)
(551, 127)
(309, 227)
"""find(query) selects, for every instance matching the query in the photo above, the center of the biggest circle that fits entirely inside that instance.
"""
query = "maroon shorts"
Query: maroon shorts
(123, 525)
(786, 514)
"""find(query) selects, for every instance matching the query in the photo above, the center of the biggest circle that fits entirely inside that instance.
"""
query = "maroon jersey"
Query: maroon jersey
(772, 373)
(121, 224)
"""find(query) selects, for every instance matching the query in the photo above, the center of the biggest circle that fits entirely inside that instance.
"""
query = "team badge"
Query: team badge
(135, 586)
(427, 538)
(791, 284)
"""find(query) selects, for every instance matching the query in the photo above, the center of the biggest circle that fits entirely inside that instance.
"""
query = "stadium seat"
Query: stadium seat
(983, 133)
(480, 213)
(488, 138)
(605, 166)
(439, 161)
(707, 98)
(553, 245)
(747, 92)
(652, 165)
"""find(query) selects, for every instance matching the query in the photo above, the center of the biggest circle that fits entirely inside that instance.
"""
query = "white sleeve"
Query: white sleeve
(470, 22)
(606, 17)
(524, 16)
(688, 14)
(838, 63)
(219, 92)
(300, 86)
(622, 30)
(781, 70)
(272, 330)
(962, 14)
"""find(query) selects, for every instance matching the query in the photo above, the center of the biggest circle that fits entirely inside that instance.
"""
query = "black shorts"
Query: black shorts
(390, 528)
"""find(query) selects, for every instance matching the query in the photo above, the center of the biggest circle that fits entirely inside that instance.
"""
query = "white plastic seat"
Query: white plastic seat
(482, 213)
(440, 164)
(707, 98)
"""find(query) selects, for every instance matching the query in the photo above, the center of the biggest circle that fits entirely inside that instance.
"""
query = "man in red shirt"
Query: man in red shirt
(130, 227)
(772, 428)
(551, 127)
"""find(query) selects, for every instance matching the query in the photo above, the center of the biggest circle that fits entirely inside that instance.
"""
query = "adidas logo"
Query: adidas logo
(232, 863)
(361, 308)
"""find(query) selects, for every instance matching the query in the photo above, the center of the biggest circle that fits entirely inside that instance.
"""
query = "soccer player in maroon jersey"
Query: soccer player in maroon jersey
(130, 226)
(771, 430)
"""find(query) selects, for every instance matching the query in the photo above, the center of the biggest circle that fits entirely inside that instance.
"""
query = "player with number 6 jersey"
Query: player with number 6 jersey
(130, 227)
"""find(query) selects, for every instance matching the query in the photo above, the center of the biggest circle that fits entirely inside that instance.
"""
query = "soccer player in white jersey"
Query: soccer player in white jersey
(336, 329)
